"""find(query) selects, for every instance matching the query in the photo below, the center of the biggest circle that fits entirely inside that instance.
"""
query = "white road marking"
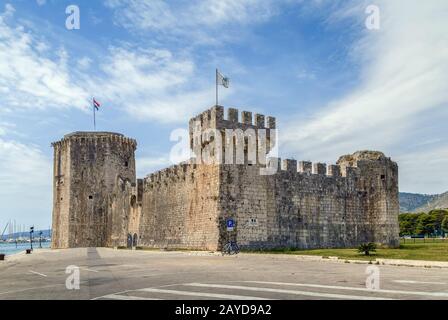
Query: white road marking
(40, 274)
(130, 265)
(89, 270)
(203, 294)
(37, 288)
(418, 293)
(120, 297)
(302, 293)
(417, 282)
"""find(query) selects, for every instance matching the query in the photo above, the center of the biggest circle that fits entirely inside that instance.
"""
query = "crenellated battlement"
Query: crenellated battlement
(172, 174)
(86, 137)
(275, 202)
(214, 118)
(244, 138)
(310, 168)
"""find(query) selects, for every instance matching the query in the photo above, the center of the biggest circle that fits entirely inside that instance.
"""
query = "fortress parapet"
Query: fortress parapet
(214, 118)
(96, 137)
(99, 202)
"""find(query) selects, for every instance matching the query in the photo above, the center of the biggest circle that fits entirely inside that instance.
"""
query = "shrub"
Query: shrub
(367, 248)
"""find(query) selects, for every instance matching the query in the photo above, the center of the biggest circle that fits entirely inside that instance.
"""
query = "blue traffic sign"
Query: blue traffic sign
(230, 224)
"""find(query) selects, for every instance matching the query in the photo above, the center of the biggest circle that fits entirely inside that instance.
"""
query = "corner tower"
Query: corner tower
(378, 177)
(87, 166)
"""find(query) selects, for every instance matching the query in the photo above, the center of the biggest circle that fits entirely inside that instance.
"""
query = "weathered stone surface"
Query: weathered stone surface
(303, 205)
(87, 169)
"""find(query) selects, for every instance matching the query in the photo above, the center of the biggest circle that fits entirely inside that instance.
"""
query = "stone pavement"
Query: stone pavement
(122, 274)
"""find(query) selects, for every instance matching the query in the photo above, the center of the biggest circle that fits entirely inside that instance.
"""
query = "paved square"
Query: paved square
(154, 275)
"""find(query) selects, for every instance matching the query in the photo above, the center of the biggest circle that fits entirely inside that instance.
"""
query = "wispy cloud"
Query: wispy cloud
(25, 177)
(152, 84)
(32, 76)
(148, 84)
(404, 76)
(147, 165)
(201, 20)
(171, 17)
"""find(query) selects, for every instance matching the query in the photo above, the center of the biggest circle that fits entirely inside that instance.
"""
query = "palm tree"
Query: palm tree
(366, 248)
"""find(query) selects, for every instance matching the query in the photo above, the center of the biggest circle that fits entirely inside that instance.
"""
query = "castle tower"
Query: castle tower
(242, 140)
(87, 166)
(378, 177)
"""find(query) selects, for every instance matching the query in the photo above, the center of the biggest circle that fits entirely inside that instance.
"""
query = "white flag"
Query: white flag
(224, 81)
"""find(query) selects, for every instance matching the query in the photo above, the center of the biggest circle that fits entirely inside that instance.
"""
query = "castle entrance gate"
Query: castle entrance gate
(129, 242)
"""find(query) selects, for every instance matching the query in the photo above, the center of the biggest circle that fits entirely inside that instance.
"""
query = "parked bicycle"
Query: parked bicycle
(230, 248)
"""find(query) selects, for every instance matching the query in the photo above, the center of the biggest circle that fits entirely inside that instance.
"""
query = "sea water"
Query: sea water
(10, 248)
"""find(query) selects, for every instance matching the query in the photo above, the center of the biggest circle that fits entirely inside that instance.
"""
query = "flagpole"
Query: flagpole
(216, 86)
(94, 117)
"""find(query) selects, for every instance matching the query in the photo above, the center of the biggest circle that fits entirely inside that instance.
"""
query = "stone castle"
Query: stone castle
(99, 202)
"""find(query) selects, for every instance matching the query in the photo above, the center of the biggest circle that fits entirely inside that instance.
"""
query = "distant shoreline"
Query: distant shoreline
(10, 249)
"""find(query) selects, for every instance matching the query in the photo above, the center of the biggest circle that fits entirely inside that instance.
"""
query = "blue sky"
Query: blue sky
(334, 86)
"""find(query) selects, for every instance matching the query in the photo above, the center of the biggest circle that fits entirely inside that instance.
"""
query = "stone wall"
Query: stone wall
(99, 202)
(61, 194)
(87, 168)
(179, 208)
(303, 208)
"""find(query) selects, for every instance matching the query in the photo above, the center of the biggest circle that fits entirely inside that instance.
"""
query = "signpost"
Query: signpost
(40, 239)
(230, 223)
(31, 237)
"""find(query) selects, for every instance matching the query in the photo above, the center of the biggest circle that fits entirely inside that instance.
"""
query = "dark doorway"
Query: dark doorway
(129, 243)
(134, 242)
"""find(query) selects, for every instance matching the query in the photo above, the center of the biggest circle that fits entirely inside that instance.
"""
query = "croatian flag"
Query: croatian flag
(96, 104)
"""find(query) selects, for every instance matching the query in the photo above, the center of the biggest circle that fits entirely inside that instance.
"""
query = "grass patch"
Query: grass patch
(431, 251)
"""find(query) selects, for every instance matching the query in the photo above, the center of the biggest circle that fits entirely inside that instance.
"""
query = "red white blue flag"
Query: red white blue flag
(96, 104)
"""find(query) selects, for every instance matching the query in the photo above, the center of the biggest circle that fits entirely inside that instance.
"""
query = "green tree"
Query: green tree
(425, 224)
(408, 223)
(445, 224)
(438, 215)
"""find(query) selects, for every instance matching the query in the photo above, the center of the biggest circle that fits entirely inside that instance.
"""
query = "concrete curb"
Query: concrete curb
(386, 262)
(413, 263)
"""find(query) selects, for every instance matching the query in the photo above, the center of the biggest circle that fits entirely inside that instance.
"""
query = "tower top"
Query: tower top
(84, 134)
(98, 136)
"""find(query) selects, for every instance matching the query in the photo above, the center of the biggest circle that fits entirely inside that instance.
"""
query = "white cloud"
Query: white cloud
(201, 20)
(159, 15)
(404, 77)
(152, 84)
(424, 170)
(6, 127)
(9, 11)
(25, 178)
(149, 84)
(22, 167)
(212, 13)
(84, 63)
(147, 165)
(41, 2)
(28, 77)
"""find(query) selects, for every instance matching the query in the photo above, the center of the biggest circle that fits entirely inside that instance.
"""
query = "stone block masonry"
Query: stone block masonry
(99, 202)
(87, 168)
